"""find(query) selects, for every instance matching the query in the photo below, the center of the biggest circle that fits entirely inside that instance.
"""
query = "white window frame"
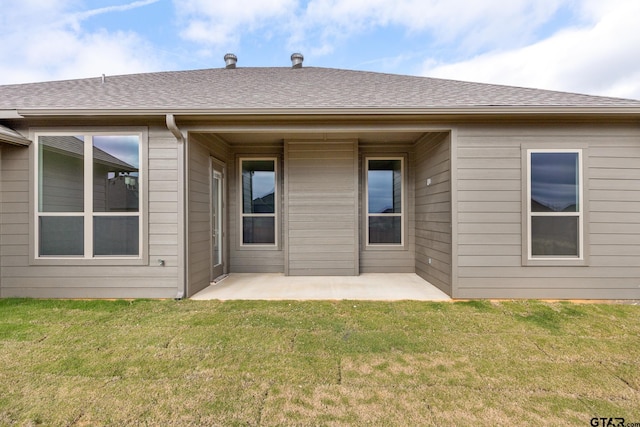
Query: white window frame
(88, 213)
(557, 260)
(367, 215)
(276, 203)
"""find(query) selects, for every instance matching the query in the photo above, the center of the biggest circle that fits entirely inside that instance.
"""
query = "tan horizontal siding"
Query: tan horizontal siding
(321, 203)
(20, 279)
(163, 186)
(489, 185)
(114, 290)
(490, 220)
(252, 259)
(433, 237)
(516, 290)
(199, 218)
(393, 260)
(334, 271)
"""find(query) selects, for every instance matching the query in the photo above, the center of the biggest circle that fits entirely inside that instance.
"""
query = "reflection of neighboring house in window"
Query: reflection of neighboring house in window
(115, 184)
(122, 193)
(264, 204)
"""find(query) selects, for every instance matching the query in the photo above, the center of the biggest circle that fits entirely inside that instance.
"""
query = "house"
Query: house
(152, 185)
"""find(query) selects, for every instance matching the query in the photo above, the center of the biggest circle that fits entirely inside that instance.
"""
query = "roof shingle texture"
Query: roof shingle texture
(282, 88)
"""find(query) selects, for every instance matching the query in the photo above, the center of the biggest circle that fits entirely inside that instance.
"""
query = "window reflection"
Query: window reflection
(258, 202)
(554, 182)
(258, 186)
(555, 216)
(116, 163)
(67, 204)
(61, 177)
(384, 179)
(384, 201)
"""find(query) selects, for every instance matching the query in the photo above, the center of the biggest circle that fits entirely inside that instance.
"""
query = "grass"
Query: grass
(91, 363)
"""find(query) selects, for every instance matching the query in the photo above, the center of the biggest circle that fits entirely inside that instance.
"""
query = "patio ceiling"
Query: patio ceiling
(364, 137)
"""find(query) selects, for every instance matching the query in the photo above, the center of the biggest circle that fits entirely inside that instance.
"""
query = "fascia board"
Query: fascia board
(10, 136)
(484, 110)
(14, 140)
(10, 114)
(322, 127)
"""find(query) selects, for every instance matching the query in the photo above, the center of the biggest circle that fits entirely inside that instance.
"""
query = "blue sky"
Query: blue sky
(587, 46)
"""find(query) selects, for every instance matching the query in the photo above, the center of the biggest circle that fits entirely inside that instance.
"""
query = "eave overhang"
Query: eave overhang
(9, 114)
(10, 136)
(435, 111)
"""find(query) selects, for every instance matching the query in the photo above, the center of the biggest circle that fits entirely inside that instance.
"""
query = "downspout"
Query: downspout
(183, 273)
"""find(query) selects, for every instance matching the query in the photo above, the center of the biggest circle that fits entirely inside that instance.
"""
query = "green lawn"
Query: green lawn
(90, 363)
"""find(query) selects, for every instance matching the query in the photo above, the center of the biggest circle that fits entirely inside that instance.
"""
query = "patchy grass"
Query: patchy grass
(317, 363)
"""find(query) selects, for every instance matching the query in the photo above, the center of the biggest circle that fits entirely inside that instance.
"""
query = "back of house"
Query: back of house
(153, 185)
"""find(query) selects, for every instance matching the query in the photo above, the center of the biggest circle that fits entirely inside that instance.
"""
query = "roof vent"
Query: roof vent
(296, 60)
(230, 60)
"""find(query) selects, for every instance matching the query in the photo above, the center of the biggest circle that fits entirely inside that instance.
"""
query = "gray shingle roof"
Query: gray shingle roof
(282, 88)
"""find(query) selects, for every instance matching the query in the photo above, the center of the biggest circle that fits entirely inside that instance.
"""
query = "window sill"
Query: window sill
(382, 247)
(259, 248)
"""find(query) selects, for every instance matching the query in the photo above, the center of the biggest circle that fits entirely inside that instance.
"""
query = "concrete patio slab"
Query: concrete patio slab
(276, 286)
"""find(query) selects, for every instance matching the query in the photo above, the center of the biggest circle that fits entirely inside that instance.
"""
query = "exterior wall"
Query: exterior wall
(321, 217)
(433, 210)
(325, 216)
(490, 203)
(248, 259)
(201, 149)
(1, 213)
(199, 218)
(20, 278)
(395, 260)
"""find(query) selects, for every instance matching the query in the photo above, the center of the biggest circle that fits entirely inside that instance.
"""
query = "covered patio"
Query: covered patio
(366, 286)
(315, 193)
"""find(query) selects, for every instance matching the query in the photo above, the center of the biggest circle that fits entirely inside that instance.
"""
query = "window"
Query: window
(88, 196)
(385, 223)
(555, 204)
(259, 201)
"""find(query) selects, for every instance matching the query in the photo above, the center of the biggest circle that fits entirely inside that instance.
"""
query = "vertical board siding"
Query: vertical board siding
(490, 185)
(392, 260)
(322, 208)
(20, 279)
(433, 211)
(248, 259)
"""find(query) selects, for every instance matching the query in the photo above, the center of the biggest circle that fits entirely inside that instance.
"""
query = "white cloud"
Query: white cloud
(318, 26)
(117, 8)
(43, 40)
(468, 25)
(599, 58)
(221, 23)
